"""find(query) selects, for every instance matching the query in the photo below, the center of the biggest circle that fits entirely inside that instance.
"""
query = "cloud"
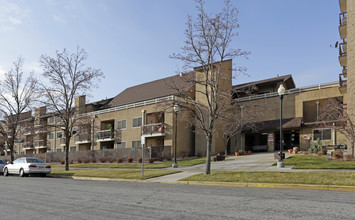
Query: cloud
(58, 19)
(11, 15)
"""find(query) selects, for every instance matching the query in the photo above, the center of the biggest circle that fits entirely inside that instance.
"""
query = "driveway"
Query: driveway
(254, 162)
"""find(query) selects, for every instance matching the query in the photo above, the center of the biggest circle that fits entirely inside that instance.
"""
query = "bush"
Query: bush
(79, 160)
(129, 159)
(349, 157)
(62, 162)
(151, 160)
(110, 159)
(305, 153)
(139, 160)
(319, 153)
(86, 160)
(102, 160)
(93, 160)
(119, 160)
(71, 161)
(325, 151)
(338, 154)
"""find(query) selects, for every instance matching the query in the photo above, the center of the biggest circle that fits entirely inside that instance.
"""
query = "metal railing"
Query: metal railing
(105, 134)
(128, 106)
(343, 18)
(290, 91)
(83, 138)
(342, 80)
(157, 128)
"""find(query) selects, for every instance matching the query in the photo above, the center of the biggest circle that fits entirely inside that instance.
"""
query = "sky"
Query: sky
(131, 40)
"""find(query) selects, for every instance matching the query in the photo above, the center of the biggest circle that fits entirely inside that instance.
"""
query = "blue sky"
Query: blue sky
(131, 40)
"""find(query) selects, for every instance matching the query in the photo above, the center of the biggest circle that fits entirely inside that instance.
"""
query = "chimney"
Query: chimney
(80, 104)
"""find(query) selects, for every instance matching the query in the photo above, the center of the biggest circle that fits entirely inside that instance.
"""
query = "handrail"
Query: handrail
(290, 91)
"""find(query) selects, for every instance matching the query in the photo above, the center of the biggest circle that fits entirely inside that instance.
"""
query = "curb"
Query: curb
(228, 184)
(271, 185)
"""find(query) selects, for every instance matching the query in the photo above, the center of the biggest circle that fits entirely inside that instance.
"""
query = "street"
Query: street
(55, 198)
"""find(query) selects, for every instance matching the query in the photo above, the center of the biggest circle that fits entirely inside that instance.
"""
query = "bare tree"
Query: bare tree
(334, 115)
(17, 95)
(68, 78)
(240, 118)
(208, 45)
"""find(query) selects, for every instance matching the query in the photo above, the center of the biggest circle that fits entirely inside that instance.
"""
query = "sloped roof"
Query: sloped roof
(286, 79)
(150, 90)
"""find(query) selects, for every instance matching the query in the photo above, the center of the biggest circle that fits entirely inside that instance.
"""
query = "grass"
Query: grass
(318, 178)
(181, 163)
(112, 174)
(317, 162)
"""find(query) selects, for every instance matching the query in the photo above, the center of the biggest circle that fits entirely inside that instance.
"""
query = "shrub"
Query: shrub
(338, 154)
(319, 153)
(119, 160)
(305, 153)
(86, 160)
(139, 160)
(349, 157)
(198, 154)
(62, 162)
(110, 159)
(151, 160)
(102, 160)
(183, 154)
(93, 160)
(325, 151)
(79, 160)
(71, 161)
(129, 159)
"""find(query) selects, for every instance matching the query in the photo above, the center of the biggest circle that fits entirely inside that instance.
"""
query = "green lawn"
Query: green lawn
(317, 162)
(112, 174)
(318, 178)
(155, 165)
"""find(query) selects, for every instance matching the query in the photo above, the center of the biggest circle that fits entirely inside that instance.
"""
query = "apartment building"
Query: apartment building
(301, 123)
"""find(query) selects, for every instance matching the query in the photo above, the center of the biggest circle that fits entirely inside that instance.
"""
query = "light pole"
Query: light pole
(281, 92)
(176, 110)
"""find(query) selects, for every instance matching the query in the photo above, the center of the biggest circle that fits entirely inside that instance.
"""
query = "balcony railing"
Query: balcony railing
(153, 129)
(40, 129)
(83, 138)
(27, 145)
(342, 80)
(342, 25)
(105, 135)
(40, 143)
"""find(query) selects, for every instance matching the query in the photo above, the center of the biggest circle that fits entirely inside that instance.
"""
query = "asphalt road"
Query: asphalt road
(54, 198)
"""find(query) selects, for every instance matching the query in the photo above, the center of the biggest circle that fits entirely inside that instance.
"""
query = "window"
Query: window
(50, 135)
(59, 135)
(137, 122)
(59, 150)
(121, 144)
(51, 120)
(136, 144)
(72, 148)
(59, 119)
(121, 124)
(322, 134)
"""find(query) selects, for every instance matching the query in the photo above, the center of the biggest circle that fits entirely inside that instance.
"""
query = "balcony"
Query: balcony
(342, 83)
(343, 7)
(153, 130)
(342, 25)
(62, 142)
(83, 139)
(105, 135)
(39, 144)
(342, 54)
(27, 146)
(40, 129)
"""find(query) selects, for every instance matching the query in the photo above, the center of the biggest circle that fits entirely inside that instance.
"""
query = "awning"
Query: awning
(289, 123)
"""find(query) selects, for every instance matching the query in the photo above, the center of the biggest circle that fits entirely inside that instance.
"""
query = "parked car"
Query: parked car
(25, 166)
(2, 165)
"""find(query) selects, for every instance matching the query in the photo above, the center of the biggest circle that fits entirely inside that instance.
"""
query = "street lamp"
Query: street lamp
(281, 92)
(176, 110)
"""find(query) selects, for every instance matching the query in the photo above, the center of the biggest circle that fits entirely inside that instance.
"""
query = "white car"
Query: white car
(2, 165)
(27, 165)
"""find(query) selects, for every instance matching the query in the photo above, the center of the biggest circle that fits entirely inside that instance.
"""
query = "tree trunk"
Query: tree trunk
(67, 140)
(12, 152)
(208, 155)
